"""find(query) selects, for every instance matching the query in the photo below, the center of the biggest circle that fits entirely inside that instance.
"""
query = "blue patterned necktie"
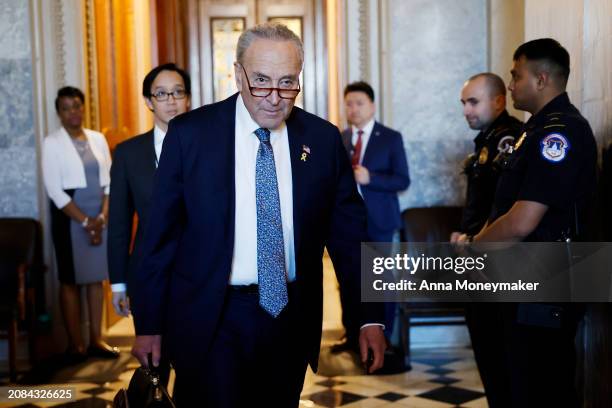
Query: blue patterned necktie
(270, 245)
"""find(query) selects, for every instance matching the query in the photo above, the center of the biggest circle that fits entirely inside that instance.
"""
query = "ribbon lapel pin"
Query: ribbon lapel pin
(305, 153)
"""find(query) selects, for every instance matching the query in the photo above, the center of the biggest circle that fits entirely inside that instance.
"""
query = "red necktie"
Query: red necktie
(357, 149)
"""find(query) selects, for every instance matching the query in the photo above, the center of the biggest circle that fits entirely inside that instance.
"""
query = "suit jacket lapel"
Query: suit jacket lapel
(297, 141)
(149, 156)
(347, 135)
(224, 131)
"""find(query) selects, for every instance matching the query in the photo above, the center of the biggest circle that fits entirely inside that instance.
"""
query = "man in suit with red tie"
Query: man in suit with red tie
(247, 194)
(380, 169)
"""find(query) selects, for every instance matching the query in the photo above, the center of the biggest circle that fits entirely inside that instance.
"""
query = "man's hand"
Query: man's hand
(372, 337)
(463, 239)
(454, 237)
(362, 175)
(121, 303)
(460, 243)
(145, 345)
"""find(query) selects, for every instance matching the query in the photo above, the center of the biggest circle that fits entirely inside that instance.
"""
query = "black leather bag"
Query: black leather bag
(145, 391)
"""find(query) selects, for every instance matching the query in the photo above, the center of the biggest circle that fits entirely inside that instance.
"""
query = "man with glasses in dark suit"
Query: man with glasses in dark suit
(166, 91)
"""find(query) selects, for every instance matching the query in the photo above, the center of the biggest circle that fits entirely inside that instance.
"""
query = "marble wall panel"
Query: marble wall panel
(562, 20)
(16, 128)
(18, 157)
(584, 29)
(14, 30)
(506, 33)
(435, 46)
(597, 68)
(18, 182)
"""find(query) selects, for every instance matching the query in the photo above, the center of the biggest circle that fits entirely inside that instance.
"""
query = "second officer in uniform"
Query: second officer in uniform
(546, 186)
(484, 106)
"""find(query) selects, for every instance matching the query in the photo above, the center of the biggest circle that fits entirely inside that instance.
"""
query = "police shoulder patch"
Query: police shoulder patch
(554, 147)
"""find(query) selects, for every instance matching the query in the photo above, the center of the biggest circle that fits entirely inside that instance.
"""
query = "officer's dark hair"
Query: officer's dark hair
(549, 55)
(495, 84)
(147, 83)
(360, 86)
(68, 92)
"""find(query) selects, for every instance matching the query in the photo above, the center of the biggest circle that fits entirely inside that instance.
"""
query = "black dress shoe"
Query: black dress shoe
(103, 351)
(345, 346)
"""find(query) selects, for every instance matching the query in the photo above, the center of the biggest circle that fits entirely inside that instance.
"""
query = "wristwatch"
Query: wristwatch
(85, 222)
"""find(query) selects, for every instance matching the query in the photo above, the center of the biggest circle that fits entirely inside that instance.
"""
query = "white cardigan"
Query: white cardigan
(63, 168)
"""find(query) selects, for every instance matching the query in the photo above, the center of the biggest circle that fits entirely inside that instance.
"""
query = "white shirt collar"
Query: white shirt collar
(158, 136)
(367, 129)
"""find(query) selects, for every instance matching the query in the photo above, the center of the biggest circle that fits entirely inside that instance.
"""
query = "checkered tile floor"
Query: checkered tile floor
(438, 379)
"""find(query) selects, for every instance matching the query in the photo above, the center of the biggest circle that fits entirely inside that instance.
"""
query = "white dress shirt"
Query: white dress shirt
(158, 140)
(244, 261)
(365, 138)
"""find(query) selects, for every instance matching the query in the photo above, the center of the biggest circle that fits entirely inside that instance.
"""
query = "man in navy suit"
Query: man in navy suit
(166, 90)
(381, 171)
(247, 194)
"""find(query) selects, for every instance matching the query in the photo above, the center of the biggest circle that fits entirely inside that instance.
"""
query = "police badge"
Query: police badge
(483, 156)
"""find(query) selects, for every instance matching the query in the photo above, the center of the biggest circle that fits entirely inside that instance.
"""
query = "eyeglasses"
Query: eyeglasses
(283, 93)
(162, 96)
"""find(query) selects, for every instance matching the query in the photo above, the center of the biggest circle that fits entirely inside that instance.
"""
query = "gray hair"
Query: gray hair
(267, 31)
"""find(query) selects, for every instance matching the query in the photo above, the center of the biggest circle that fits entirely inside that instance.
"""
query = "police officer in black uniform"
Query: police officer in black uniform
(547, 183)
(484, 106)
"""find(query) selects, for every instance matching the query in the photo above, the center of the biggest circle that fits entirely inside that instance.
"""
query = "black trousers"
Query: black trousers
(254, 359)
(486, 327)
(523, 365)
